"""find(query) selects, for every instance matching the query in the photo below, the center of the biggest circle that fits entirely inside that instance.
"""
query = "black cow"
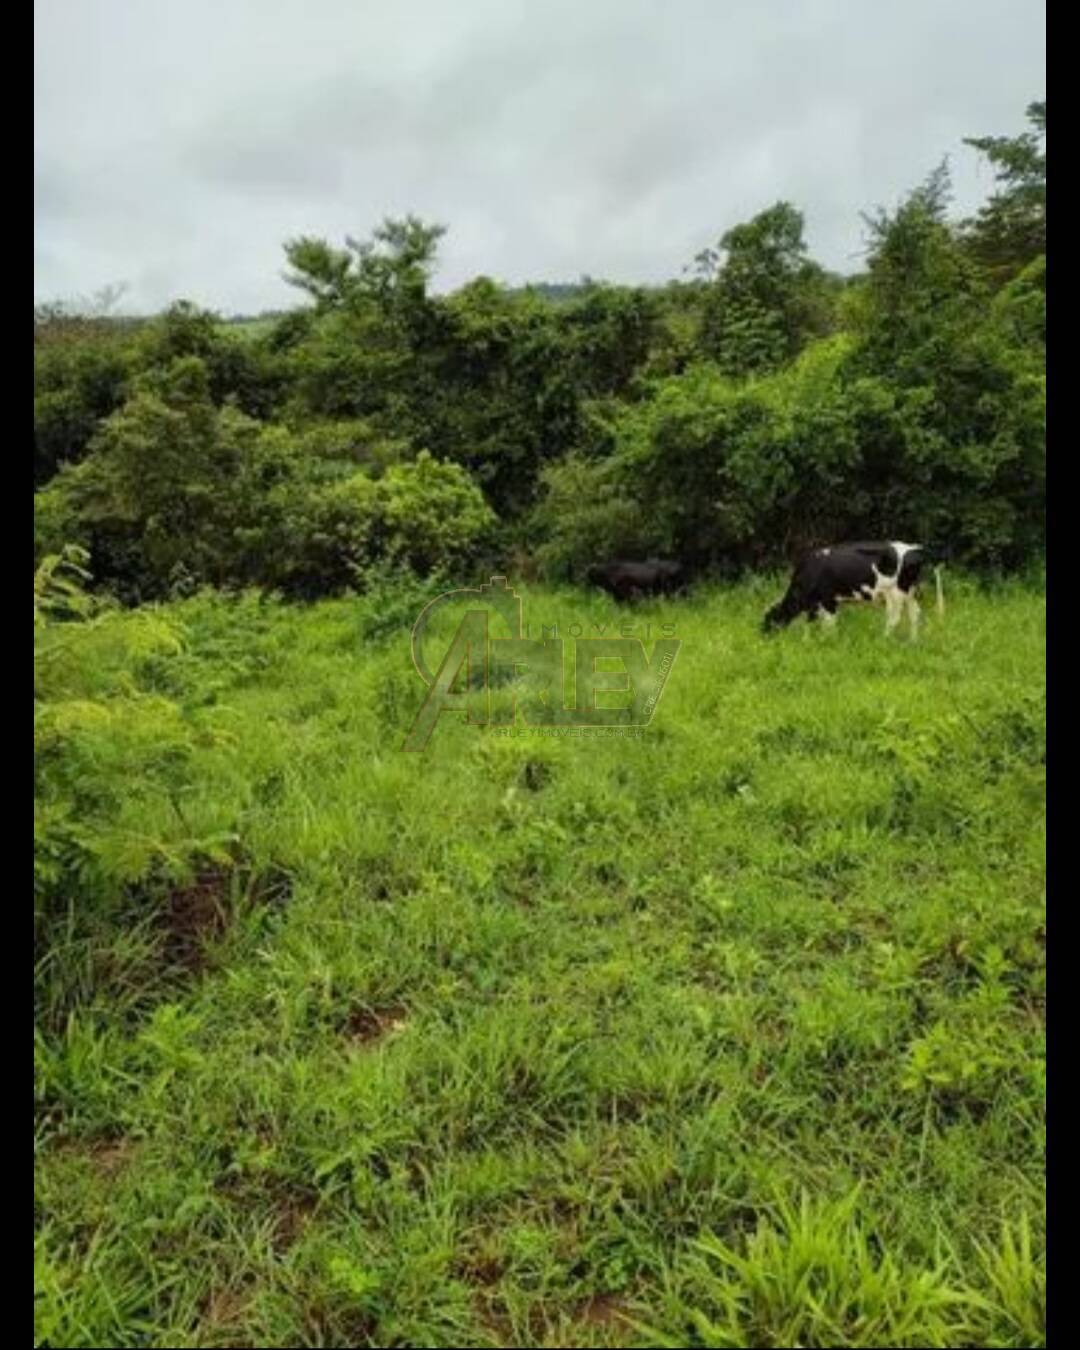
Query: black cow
(886, 572)
(627, 580)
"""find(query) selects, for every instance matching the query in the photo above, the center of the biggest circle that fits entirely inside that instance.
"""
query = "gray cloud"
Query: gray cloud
(178, 146)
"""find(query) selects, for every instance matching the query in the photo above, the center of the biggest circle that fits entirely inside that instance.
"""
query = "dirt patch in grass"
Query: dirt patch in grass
(499, 1330)
(497, 1325)
(295, 1208)
(107, 1157)
(326, 1327)
(195, 915)
(289, 1205)
(603, 1310)
(221, 1317)
(198, 914)
(366, 1026)
(481, 1269)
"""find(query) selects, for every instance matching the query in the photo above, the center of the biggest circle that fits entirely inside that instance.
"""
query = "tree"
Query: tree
(952, 404)
(82, 361)
(1010, 230)
(76, 385)
(921, 287)
(374, 326)
(155, 493)
(246, 373)
(767, 297)
(392, 269)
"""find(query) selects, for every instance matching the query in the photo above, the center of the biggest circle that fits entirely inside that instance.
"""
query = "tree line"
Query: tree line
(727, 419)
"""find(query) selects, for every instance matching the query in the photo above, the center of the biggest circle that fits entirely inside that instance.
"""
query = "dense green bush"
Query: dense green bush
(179, 492)
(426, 515)
(927, 420)
(80, 377)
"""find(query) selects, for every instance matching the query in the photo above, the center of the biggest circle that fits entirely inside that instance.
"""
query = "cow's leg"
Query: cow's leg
(912, 605)
(894, 609)
(826, 615)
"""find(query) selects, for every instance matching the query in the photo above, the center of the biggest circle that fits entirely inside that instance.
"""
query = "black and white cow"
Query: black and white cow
(877, 573)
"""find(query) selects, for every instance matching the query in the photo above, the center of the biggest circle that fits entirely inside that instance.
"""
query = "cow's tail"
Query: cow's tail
(940, 591)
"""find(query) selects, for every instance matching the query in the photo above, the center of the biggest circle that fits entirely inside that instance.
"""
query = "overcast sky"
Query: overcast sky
(178, 143)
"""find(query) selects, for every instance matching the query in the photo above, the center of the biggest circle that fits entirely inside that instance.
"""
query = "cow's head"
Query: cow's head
(777, 617)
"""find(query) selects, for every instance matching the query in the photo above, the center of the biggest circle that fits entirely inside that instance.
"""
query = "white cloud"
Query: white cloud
(179, 145)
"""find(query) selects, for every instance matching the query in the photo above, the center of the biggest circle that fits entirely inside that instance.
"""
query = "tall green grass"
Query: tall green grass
(730, 1035)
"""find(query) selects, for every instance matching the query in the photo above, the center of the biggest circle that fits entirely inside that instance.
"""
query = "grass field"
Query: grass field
(731, 1035)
